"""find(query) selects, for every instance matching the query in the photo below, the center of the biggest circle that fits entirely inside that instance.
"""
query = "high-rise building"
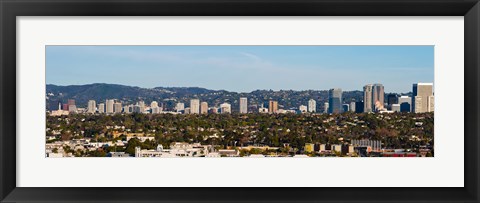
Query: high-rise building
(335, 100)
(352, 106)
(359, 107)
(367, 98)
(325, 107)
(312, 106)
(71, 107)
(431, 103)
(141, 106)
(101, 108)
(272, 107)
(194, 106)
(378, 95)
(302, 108)
(117, 107)
(392, 99)
(91, 106)
(422, 94)
(225, 108)
(109, 106)
(71, 102)
(180, 107)
(65, 107)
(243, 105)
(405, 103)
(156, 109)
(153, 104)
(373, 97)
(128, 109)
(204, 108)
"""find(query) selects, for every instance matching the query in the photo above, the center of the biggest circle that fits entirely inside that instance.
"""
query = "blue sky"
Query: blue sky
(242, 68)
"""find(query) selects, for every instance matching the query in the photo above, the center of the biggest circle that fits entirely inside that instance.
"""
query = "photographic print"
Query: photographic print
(239, 101)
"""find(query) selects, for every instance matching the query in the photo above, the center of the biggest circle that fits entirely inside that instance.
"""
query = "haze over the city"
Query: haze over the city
(242, 68)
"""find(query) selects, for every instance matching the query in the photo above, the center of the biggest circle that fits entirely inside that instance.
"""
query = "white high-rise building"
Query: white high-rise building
(141, 105)
(422, 97)
(91, 106)
(128, 109)
(101, 108)
(225, 108)
(352, 106)
(194, 106)
(312, 106)
(243, 105)
(109, 106)
(180, 107)
(153, 104)
(325, 107)
(303, 108)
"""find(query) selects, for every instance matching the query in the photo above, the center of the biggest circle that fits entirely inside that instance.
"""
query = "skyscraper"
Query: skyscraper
(352, 106)
(180, 107)
(359, 107)
(153, 104)
(367, 98)
(378, 95)
(272, 106)
(109, 106)
(204, 108)
(243, 105)
(225, 108)
(312, 106)
(335, 100)
(71, 106)
(422, 100)
(405, 103)
(91, 106)
(325, 107)
(141, 107)
(101, 108)
(392, 99)
(117, 107)
(302, 108)
(373, 97)
(194, 106)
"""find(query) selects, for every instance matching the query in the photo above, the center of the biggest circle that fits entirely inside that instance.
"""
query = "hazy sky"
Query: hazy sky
(242, 68)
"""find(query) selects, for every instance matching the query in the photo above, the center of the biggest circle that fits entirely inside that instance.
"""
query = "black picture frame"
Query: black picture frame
(10, 9)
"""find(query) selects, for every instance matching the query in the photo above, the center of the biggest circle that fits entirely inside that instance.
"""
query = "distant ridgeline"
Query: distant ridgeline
(169, 96)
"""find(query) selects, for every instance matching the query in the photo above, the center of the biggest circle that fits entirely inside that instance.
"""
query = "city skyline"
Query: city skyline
(242, 68)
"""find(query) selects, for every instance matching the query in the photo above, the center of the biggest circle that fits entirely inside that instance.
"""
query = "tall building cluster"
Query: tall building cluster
(374, 100)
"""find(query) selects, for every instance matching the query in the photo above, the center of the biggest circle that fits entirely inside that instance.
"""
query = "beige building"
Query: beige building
(423, 99)
(117, 107)
(204, 108)
(195, 106)
(109, 105)
(272, 107)
(91, 106)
